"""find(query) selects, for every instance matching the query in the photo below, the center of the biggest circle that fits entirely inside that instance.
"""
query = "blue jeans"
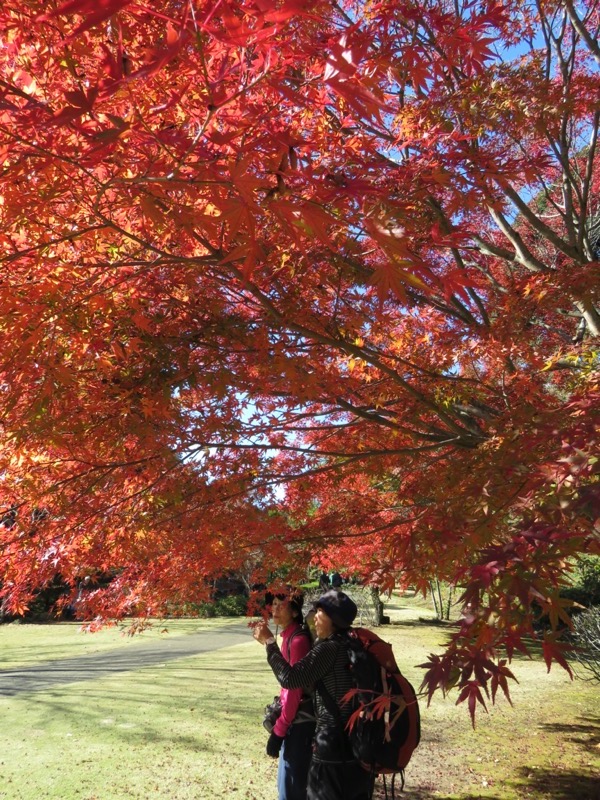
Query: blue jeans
(294, 760)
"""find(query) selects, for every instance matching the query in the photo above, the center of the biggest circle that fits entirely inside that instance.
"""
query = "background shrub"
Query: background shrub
(233, 605)
(585, 588)
(586, 638)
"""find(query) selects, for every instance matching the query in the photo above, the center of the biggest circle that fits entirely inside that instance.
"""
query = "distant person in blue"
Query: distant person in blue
(336, 580)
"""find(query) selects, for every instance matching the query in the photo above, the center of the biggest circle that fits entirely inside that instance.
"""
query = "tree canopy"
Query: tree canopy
(301, 280)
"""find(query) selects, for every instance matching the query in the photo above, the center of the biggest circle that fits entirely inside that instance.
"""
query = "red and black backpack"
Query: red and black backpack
(385, 725)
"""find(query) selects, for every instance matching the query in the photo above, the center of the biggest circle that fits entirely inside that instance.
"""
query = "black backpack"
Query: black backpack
(385, 726)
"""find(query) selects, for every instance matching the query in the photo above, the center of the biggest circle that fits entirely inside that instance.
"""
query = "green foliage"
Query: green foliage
(588, 569)
(231, 606)
(585, 588)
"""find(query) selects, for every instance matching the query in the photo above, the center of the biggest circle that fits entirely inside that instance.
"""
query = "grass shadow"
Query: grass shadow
(416, 622)
(585, 732)
(427, 793)
(560, 784)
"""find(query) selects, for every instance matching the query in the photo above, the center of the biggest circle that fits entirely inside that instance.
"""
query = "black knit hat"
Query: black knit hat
(340, 608)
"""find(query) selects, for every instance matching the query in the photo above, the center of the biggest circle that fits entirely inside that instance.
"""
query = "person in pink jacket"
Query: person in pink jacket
(291, 739)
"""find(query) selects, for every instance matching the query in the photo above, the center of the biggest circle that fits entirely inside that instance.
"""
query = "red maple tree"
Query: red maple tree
(294, 280)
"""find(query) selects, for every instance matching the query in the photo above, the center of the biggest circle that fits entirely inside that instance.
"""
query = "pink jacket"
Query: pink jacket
(290, 698)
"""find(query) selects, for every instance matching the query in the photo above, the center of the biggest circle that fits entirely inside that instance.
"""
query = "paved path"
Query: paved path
(92, 666)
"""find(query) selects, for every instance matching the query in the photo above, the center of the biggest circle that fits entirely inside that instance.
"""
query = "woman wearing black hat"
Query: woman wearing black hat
(334, 774)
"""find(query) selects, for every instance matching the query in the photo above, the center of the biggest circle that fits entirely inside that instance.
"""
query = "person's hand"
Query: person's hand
(262, 633)
(274, 743)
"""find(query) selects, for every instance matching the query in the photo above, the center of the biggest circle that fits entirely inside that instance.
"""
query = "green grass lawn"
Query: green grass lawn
(192, 728)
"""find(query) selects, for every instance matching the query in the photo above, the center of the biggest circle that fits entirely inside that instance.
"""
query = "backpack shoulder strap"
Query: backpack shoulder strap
(300, 631)
(329, 702)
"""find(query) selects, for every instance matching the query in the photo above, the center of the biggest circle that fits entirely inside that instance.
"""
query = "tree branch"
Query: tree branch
(591, 42)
